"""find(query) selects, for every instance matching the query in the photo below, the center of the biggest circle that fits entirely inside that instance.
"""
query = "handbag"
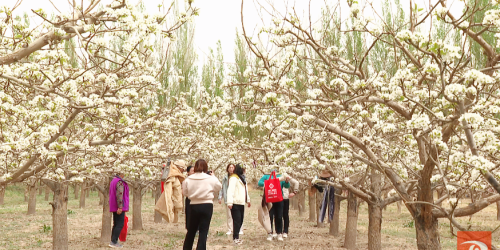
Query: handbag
(272, 189)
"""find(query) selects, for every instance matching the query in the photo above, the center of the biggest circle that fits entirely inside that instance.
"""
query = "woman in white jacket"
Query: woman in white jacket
(237, 197)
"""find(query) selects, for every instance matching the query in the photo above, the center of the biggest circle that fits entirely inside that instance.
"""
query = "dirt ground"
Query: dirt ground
(19, 231)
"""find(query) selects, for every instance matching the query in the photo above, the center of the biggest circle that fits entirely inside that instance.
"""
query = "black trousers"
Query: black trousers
(276, 214)
(237, 212)
(286, 217)
(187, 210)
(200, 216)
(118, 223)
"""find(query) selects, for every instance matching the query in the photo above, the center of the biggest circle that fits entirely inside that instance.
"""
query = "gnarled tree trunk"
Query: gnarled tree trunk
(498, 209)
(302, 202)
(312, 204)
(47, 193)
(26, 193)
(76, 190)
(32, 199)
(106, 214)
(426, 225)
(335, 223)
(375, 213)
(82, 195)
(2, 195)
(158, 217)
(59, 214)
(351, 228)
(137, 207)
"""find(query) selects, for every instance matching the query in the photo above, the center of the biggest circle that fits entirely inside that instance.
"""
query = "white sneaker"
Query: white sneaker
(229, 233)
(269, 237)
(285, 235)
(237, 242)
(275, 235)
(241, 232)
(280, 237)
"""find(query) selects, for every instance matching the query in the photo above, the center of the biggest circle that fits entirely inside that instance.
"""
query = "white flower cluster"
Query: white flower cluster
(492, 17)
(419, 121)
(478, 77)
(473, 119)
(480, 163)
(440, 11)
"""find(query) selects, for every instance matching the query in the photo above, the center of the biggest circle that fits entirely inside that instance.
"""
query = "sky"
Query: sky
(220, 19)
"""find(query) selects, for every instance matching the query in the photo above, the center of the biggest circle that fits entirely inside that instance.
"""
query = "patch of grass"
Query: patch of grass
(410, 224)
(46, 228)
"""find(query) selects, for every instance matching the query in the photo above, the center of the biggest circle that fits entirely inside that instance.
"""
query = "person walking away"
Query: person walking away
(199, 188)
(286, 204)
(223, 195)
(118, 205)
(237, 197)
(276, 212)
(189, 171)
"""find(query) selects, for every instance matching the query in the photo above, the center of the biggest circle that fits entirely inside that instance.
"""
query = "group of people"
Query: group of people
(199, 188)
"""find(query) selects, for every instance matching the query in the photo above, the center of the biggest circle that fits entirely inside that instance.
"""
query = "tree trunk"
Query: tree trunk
(302, 202)
(319, 199)
(26, 193)
(375, 213)
(59, 215)
(40, 188)
(76, 190)
(426, 225)
(47, 193)
(335, 223)
(158, 217)
(101, 199)
(312, 204)
(351, 228)
(2, 195)
(399, 203)
(498, 208)
(106, 215)
(82, 195)
(137, 206)
(32, 199)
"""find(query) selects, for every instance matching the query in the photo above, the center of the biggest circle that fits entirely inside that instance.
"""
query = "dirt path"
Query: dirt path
(19, 231)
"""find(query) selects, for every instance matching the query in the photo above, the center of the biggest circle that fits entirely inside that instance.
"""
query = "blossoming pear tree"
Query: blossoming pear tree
(74, 86)
(413, 96)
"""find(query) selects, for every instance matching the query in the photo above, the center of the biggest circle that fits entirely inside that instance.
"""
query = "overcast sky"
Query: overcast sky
(219, 19)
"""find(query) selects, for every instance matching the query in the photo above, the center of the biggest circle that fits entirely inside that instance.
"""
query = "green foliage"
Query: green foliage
(409, 224)
(212, 75)
(179, 71)
(71, 212)
(46, 228)
(480, 7)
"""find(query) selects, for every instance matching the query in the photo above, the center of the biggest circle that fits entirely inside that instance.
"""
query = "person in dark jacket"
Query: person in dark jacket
(118, 205)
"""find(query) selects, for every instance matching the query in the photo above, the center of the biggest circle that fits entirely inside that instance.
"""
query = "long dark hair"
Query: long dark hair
(238, 170)
(227, 169)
